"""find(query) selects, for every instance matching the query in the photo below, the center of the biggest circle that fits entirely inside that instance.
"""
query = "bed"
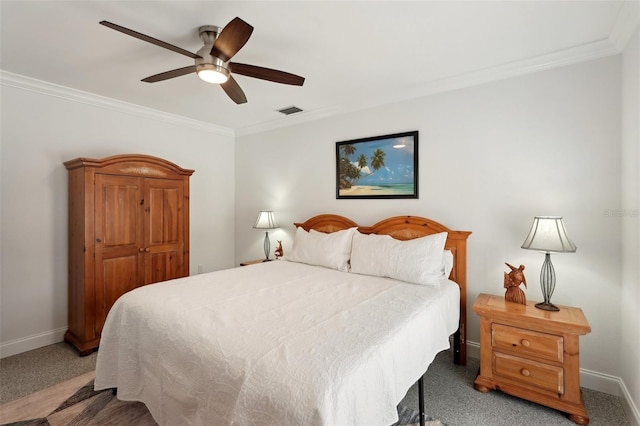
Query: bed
(294, 341)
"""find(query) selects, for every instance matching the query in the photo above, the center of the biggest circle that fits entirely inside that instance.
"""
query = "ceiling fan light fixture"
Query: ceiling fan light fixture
(211, 73)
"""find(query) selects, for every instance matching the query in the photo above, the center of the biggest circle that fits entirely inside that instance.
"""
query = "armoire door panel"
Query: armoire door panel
(163, 266)
(165, 216)
(116, 277)
(118, 200)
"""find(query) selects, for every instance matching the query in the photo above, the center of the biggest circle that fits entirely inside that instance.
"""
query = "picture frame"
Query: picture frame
(378, 167)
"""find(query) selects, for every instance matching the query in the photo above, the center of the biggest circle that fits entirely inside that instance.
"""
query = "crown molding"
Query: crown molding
(626, 23)
(583, 53)
(574, 55)
(50, 89)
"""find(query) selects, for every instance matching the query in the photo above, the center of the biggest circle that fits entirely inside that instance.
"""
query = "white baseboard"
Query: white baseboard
(473, 349)
(591, 380)
(29, 343)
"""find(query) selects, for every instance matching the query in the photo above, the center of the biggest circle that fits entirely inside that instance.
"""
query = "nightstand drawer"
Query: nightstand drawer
(527, 342)
(544, 376)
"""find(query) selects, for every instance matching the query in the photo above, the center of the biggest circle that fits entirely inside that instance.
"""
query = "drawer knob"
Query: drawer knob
(525, 372)
(525, 343)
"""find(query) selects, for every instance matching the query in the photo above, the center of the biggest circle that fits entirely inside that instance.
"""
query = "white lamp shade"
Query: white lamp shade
(266, 220)
(548, 234)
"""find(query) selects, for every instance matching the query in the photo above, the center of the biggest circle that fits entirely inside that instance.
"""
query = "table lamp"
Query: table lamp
(548, 235)
(266, 220)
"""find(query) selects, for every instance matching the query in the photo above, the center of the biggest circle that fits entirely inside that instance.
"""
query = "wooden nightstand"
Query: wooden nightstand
(253, 262)
(531, 353)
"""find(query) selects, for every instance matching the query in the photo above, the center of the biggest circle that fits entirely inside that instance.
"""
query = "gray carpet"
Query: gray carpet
(28, 372)
(449, 393)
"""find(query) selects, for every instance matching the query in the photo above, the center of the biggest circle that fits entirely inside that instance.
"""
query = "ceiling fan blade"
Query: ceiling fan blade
(149, 39)
(232, 88)
(170, 74)
(231, 39)
(266, 74)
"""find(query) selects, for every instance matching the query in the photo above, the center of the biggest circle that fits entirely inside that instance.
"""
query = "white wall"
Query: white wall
(629, 219)
(491, 157)
(39, 132)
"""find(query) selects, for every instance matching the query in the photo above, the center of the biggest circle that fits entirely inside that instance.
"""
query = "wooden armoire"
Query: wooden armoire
(128, 226)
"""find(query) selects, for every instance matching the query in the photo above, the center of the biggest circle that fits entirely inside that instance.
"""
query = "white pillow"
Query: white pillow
(417, 261)
(447, 263)
(318, 248)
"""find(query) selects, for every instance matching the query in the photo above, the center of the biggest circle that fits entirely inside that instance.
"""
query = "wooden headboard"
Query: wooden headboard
(327, 223)
(407, 228)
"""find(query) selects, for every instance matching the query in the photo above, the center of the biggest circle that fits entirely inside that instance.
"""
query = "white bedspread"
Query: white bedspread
(279, 343)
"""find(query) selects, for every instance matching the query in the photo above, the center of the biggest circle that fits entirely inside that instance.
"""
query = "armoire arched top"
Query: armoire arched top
(131, 164)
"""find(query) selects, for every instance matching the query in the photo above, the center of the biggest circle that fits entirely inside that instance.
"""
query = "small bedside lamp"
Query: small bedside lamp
(266, 220)
(548, 234)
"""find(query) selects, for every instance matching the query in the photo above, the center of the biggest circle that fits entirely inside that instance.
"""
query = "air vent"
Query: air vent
(290, 110)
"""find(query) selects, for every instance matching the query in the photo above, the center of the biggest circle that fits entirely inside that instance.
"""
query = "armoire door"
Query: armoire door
(163, 230)
(118, 240)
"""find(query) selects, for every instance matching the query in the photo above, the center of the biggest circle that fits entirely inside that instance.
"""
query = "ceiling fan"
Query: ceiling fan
(212, 61)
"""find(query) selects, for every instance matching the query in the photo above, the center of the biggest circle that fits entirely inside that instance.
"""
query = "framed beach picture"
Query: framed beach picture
(378, 167)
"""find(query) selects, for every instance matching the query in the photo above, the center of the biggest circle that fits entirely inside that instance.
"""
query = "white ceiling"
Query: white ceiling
(354, 54)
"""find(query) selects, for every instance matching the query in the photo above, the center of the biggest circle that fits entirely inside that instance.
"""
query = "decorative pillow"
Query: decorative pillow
(417, 261)
(318, 248)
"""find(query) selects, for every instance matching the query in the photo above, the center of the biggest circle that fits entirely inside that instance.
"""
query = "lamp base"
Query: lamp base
(547, 306)
(267, 260)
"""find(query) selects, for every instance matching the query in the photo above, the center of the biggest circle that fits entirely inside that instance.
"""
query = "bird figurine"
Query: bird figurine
(512, 281)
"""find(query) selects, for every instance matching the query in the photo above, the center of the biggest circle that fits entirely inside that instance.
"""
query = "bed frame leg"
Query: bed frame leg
(460, 346)
(421, 399)
(456, 347)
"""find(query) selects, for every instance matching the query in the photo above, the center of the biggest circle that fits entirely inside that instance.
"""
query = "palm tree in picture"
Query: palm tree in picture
(347, 171)
(377, 160)
(362, 161)
(353, 173)
(348, 150)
